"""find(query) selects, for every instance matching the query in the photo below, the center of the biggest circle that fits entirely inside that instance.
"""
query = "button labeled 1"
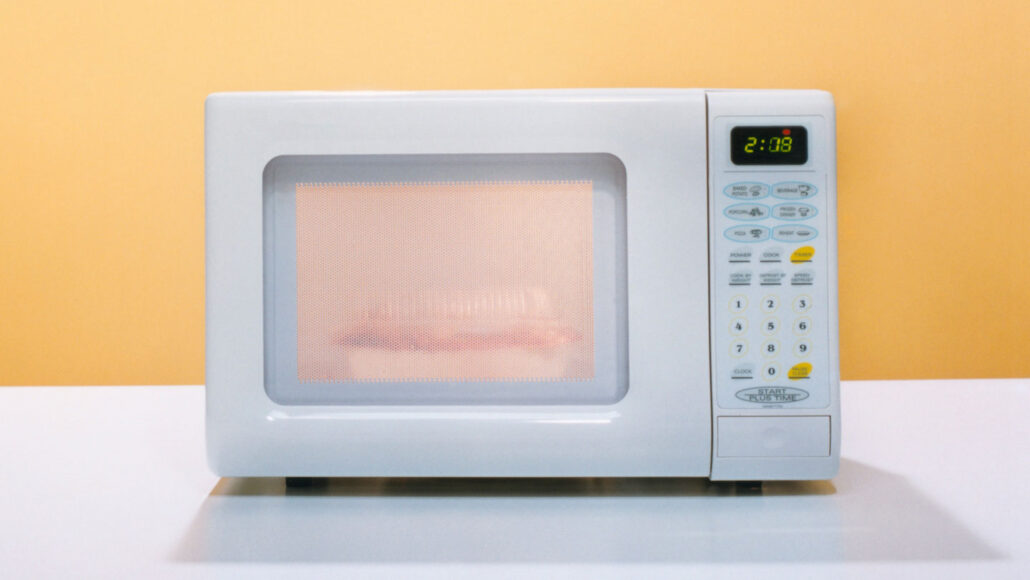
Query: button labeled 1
(738, 303)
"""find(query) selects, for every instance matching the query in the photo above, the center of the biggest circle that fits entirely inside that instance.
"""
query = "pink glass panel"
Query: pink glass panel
(463, 281)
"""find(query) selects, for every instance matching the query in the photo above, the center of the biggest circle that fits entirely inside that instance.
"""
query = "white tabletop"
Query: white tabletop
(109, 482)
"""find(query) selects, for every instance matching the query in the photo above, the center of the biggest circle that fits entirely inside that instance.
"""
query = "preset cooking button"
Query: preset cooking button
(794, 190)
(748, 234)
(744, 190)
(747, 212)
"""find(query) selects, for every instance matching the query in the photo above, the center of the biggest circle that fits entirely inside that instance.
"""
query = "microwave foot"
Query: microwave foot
(749, 487)
(302, 482)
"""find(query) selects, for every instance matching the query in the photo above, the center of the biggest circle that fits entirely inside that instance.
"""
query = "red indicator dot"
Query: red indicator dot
(786, 131)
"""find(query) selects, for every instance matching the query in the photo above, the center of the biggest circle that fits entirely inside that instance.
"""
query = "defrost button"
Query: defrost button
(804, 277)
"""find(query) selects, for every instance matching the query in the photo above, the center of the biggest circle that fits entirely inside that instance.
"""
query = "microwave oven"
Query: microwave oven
(541, 283)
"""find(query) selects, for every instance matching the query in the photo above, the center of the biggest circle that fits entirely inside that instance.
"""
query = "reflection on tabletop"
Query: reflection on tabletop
(864, 515)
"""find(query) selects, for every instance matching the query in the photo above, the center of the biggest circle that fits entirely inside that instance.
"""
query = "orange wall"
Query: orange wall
(101, 151)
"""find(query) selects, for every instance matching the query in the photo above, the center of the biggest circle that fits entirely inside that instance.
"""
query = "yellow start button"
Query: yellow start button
(799, 371)
(802, 254)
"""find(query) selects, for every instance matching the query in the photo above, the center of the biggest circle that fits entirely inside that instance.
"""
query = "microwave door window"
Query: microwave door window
(445, 279)
(475, 281)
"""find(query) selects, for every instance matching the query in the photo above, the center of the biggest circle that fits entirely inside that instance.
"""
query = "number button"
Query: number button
(802, 326)
(770, 326)
(770, 348)
(738, 303)
(738, 326)
(802, 304)
(771, 372)
(738, 348)
(803, 348)
(770, 304)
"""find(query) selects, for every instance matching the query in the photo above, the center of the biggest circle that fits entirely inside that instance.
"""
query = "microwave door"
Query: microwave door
(536, 308)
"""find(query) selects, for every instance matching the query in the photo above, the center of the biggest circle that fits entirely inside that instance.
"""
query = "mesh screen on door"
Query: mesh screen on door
(449, 281)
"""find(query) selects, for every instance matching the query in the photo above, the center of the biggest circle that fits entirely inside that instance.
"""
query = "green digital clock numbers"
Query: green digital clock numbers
(779, 145)
(776, 144)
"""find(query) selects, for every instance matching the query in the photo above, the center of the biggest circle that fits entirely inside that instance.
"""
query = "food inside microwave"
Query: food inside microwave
(490, 335)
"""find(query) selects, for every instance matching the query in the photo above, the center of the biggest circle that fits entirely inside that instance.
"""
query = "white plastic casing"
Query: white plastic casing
(664, 424)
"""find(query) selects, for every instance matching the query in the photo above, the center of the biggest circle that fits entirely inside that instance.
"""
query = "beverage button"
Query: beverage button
(794, 190)
(745, 190)
(794, 233)
(748, 234)
(747, 212)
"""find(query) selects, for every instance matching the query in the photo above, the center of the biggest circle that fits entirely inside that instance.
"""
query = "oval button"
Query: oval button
(772, 395)
(793, 233)
(799, 371)
(802, 255)
(794, 211)
(744, 190)
(794, 190)
(747, 212)
(748, 234)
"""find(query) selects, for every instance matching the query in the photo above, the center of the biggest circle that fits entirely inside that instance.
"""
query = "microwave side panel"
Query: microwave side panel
(773, 280)
(660, 427)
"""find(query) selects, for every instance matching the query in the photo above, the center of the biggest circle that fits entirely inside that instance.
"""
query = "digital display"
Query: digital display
(767, 145)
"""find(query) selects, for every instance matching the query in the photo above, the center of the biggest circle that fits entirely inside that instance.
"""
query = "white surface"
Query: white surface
(111, 482)
(663, 424)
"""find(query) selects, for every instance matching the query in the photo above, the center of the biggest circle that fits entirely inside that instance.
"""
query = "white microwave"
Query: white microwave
(552, 283)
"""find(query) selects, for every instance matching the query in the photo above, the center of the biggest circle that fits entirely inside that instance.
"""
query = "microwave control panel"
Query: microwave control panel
(773, 344)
